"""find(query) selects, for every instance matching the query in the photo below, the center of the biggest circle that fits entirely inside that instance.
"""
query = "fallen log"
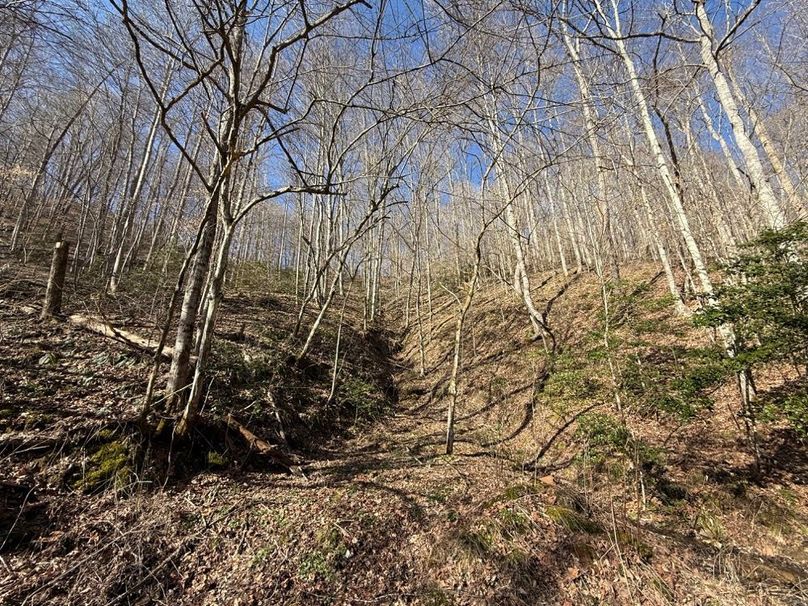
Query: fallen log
(264, 448)
(131, 339)
(101, 327)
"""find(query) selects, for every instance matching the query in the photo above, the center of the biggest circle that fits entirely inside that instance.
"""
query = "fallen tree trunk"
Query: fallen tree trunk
(103, 328)
(263, 447)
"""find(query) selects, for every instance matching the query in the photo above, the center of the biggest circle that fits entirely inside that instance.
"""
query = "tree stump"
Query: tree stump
(56, 280)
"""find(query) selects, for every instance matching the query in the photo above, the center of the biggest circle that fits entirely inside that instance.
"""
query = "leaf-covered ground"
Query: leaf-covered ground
(651, 501)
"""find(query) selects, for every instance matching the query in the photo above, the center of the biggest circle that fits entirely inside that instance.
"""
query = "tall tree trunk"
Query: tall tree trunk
(771, 208)
(179, 373)
(214, 298)
(132, 204)
(676, 202)
(759, 128)
(605, 241)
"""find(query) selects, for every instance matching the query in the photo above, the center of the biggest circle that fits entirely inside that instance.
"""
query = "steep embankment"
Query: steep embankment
(636, 506)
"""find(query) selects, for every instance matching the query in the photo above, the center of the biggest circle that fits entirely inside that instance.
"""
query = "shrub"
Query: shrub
(606, 435)
(365, 398)
(765, 298)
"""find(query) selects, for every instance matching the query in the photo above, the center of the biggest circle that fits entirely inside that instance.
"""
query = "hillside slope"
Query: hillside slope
(630, 502)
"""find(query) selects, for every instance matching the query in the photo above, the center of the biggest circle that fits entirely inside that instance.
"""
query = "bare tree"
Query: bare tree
(252, 72)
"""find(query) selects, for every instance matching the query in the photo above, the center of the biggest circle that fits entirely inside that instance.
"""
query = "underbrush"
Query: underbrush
(644, 494)
(637, 413)
(292, 401)
(70, 399)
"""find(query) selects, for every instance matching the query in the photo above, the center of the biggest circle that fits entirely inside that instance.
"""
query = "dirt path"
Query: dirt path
(393, 520)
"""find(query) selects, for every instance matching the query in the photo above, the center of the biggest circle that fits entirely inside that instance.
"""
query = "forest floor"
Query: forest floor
(668, 513)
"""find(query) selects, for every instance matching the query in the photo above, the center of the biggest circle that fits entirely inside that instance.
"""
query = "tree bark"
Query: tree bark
(771, 208)
(56, 281)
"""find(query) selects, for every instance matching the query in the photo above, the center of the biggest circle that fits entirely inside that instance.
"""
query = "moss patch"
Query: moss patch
(108, 466)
